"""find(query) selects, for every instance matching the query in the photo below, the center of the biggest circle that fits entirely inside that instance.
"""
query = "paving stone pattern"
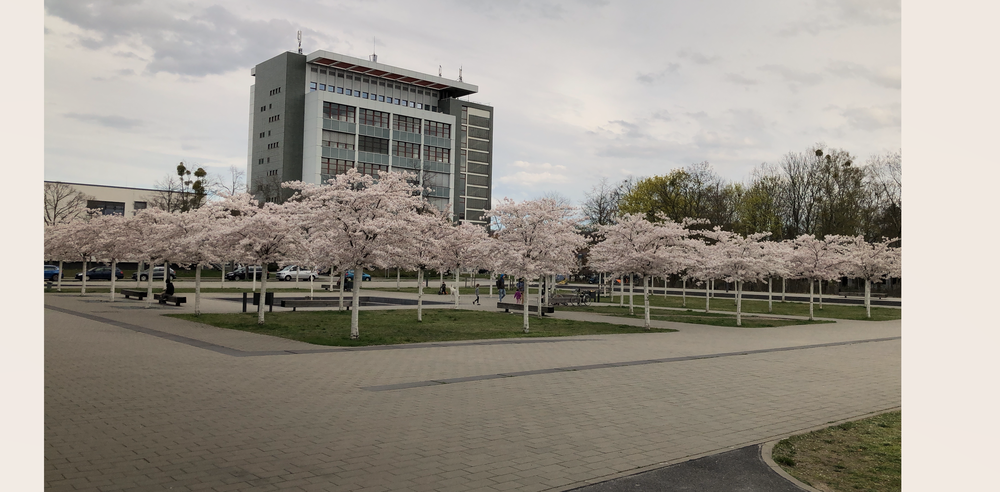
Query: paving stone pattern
(126, 410)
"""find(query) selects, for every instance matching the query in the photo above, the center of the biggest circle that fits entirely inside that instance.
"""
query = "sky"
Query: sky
(582, 89)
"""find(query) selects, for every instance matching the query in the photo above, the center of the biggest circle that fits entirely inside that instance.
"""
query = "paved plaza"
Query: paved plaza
(138, 401)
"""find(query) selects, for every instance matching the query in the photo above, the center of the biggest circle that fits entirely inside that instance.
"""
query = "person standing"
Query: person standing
(500, 288)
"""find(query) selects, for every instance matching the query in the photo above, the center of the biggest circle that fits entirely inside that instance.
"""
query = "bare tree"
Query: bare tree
(184, 191)
(64, 203)
(600, 207)
(235, 184)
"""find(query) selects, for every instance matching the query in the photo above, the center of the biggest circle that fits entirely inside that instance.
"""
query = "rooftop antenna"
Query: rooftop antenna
(439, 70)
(459, 74)
(300, 41)
(374, 56)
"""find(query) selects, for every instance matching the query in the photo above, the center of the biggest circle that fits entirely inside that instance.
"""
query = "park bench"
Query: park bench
(564, 299)
(163, 298)
(297, 303)
(335, 285)
(138, 294)
(862, 294)
(507, 306)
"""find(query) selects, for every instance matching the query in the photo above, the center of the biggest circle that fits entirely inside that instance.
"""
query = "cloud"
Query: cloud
(196, 42)
(698, 58)
(840, 14)
(535, 174)
(739, 79)
(793, 76)
(654, 77)
(873, 117)
(110, 121)
(888, 77)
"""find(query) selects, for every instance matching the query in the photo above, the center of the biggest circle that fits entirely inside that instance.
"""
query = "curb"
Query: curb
(765, 454)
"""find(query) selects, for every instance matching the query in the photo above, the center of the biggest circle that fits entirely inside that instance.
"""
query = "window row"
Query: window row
(437, 154)
(371, 117)
(276, 91)
(380, 119)
(374, 81)
(313, 86)
(437, 129)
(274, 118)
(373, 144)
(338, 140)
(273, 145)
(333, 167)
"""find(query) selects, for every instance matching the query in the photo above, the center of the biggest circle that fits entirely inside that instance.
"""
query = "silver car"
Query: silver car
(291, 272)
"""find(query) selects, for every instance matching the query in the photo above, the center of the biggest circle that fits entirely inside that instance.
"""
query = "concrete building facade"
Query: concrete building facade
(315, 116)
(119, 200)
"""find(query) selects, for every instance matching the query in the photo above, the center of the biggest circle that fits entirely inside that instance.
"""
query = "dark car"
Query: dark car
(51, 273)
(157, 274)
(243, 273)
(101, 273)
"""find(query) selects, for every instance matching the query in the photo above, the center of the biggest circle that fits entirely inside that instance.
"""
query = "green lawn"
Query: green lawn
(392, 327)
(859, 455)
(691, 316)
(838, 311)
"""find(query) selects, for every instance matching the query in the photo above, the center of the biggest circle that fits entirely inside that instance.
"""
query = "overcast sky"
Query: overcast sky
(583, 89)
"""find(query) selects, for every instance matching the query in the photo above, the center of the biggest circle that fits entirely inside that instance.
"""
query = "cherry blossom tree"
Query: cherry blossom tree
(194, 238)
(58, 246)
(704, 265)
(462, 245)
(257, 235)
(777, 254)
(369, 215)
(534, 238)
(816, 260)
(425, 235)
(80, 241)
(638, 246)
(114, 240)
(739, 259)
(872, 262)
(152, 227)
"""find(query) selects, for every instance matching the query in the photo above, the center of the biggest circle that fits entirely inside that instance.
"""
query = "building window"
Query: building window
(322, 87)
(371, 117)
(338, 140)
(406, 149)
(349, 92)
(381, 98)
(340, 90)
(335, 166)
(420, 106)
(312, 86)
(261, 135)
(371, 169)
(340, 112)
(395, 101)
(137, 206)
(406, 124)
(107, 208)
(364, 95)
(329, 88)
(373, 144)
(437, 154)
(436, 129)
(405, 103)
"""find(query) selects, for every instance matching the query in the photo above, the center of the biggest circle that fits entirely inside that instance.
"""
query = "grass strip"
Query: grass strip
(691, 316)
(861, 455)
(398, 326)
(830, 310)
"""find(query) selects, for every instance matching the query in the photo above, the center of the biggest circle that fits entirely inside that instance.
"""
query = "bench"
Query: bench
(138, 294)
(862, 294)
(297, 303)
(335, 285)
(165, 299)
(564, 299)
(507, 306)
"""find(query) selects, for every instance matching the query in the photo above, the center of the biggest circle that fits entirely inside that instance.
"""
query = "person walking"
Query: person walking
(477, 296)
(517, 296)
(500, 288)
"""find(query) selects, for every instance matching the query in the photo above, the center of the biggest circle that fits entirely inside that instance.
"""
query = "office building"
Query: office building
(315, 116)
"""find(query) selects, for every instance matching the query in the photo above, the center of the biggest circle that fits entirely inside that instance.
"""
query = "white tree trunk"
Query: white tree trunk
(114, 268)
(263, 292)
(707, 297)
(83, 286)
(524, 307)
(769, 294)
(868, 301)
(397, 278)
(420, 294)
(138, 275)
(253, 276)
(739, 303)
(621, 291)
(810, 299)
(60, 276)
(197, 289)
(223, 277)
(782, 289)
(341, 279)
(457, 280)
(684, 299)
(492, 281)
(645, 298)
(631, 294)
(312, 286)
(166, 273)
(149, 285)
(359, 274)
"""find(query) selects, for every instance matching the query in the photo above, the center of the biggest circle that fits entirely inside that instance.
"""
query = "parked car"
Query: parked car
(51, 273)
(101, 273)
(592, 279)
(157, 274)
(364, 276)
(291, 272)
(243, 273)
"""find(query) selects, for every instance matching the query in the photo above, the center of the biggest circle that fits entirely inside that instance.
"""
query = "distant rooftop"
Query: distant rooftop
(452, 88)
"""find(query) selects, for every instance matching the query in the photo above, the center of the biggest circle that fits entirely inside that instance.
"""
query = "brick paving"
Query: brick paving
(133, 410)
